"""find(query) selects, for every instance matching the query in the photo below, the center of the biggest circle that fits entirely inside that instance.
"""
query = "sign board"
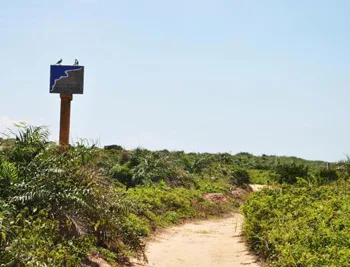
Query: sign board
(66, 79)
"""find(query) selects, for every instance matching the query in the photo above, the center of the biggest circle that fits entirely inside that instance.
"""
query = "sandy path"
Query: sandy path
(202, 244)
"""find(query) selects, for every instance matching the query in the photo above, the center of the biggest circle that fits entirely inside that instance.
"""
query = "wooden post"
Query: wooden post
(65, 121)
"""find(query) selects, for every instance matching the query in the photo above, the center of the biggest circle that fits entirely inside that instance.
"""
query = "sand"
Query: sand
(207, 243)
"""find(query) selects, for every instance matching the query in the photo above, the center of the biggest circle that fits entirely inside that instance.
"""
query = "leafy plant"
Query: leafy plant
(288, 173)
(239, 177)
(56, 207)
(300, 225)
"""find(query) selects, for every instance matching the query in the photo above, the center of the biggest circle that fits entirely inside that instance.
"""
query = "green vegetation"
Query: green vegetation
(288, 173)
(300, 225)
(266, 162)
(162, 206)
(57, 209)
(262, 176)
(302, 218)
(239, 176)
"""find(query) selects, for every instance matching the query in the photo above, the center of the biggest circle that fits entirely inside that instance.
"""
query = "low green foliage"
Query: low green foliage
(160, 206)
(300, 225)
(269, 162)
(143, 167)
(213, 185)
(56, 208)
(262, 176)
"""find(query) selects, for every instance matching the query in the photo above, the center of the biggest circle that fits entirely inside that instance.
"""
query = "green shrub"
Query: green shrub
(320, 177)
(197, 163)
(300, 226)
(262, 176)
(207, 185)
(328, 175)
(239, 177)
(115, 147)
(288, 173)
(123, 174)
(150, 169)
(161, 206)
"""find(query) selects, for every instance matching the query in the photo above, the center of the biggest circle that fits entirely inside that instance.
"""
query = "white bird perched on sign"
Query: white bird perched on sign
(76, 62)
(59, 62)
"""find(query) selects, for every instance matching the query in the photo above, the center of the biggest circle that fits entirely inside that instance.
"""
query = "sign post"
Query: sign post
(65, 121)
(66, 81)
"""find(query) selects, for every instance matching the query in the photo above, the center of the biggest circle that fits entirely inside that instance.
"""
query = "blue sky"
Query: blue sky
(207, 76)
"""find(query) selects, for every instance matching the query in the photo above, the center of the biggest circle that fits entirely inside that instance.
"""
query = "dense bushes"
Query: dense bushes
(239, 176)
(161, 205)
(300, 225)
(266, 162)
(123, 174)
(55, 208)
(294, 173)
(288, 173)
(327, 175)
(262, 176)
(143, 167)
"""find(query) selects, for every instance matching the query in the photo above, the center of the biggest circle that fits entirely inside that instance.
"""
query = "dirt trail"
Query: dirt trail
(210, 243)
(202, 244)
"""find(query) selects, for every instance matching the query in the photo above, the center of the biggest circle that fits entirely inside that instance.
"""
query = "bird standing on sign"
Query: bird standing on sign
(59, 62)
(76, 62)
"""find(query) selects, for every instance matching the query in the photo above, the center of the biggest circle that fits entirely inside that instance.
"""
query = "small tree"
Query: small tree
(239, 177)
(288, 173)
(123, 174)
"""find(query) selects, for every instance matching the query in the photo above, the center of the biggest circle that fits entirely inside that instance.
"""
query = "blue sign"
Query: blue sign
(66, 79)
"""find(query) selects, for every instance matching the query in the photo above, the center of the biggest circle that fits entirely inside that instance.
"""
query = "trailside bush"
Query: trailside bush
(328, 175)
(288, 173)
(197, 163)
(239, 177)
(320, 177)
(300, 226)
(123, 174)
(262, 176)
(146, 168)
(55, 208)
(159, 206)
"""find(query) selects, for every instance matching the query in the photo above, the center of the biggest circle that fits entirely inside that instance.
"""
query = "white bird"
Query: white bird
(76, 62)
